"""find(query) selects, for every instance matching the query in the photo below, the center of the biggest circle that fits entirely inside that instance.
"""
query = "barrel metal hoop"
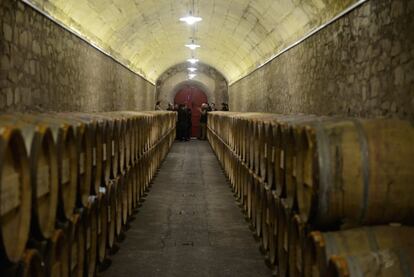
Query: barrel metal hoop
(363, 143)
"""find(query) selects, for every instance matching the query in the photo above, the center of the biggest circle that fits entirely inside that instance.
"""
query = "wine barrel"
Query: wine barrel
(57, 255)
(273, 201)
(266, 205)
(90, 223)
(102, 223)
(321, 246)
(129, 190)
(296, 244)
(77, 246)
(65, 141)
(84, 149)
(123, 186)
(357, 171)
(15, 194)
(41, 148)
(111, 212)
(96, 131)
(283, 225)
(118, 207)
(134, 177)
(115, 132)
(30, 265)
(397, 262)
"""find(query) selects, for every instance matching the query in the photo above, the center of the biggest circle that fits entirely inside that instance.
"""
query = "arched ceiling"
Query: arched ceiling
(235, 36)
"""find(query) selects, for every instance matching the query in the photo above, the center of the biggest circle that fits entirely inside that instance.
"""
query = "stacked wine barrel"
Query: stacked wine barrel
(327, 196)
(70, 183)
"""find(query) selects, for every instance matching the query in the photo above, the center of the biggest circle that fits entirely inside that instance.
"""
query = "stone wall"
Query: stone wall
(208, 79)
(43, 67)
(361, 65)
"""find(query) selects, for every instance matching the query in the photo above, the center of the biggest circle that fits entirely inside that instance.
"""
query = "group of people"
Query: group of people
(184, 122)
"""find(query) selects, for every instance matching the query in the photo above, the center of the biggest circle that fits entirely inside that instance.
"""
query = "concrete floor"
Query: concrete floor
(190, 224)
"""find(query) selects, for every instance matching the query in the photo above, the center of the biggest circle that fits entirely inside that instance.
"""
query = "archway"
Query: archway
(192, 97)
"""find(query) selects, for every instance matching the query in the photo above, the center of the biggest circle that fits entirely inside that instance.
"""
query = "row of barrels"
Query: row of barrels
(315, 187)
(69, 182)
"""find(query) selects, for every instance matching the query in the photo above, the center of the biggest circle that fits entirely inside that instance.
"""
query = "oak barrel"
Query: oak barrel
(15, 194)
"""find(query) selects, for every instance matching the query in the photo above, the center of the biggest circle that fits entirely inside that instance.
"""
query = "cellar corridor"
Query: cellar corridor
(190, 224)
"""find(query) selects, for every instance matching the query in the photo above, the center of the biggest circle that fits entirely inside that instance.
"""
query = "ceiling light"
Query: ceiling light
(192, 69)
(192, 46)
(192, 75)
(190, 20)
(192, 61)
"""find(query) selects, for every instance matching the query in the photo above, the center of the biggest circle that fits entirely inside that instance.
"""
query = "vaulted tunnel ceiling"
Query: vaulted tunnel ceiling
(235, 36)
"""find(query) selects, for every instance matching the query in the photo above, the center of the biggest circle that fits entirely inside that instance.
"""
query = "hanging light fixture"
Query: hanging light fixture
(192, 45)
(193, 60)
(192, 69)
(190, 19)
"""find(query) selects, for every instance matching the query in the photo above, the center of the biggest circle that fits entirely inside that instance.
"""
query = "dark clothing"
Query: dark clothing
(189, 124)
(182, 124)
(203, 117)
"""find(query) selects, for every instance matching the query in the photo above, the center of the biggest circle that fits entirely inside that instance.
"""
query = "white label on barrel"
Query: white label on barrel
(82, 163)
(43, 180)
(9, 193)
(94, 156)
(113, 148)
(65, 171)
(104, 151)
(282, 159)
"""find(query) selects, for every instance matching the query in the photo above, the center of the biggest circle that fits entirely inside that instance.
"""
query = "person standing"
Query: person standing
(203, 121)
(213, 107)
(170, 107)
(182, 122)
(189, 124)
(158, 106)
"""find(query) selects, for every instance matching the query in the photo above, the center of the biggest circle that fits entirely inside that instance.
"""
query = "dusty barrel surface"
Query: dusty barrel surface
(395, 262)
(357, 170)
(321, 246)
(15, 194)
